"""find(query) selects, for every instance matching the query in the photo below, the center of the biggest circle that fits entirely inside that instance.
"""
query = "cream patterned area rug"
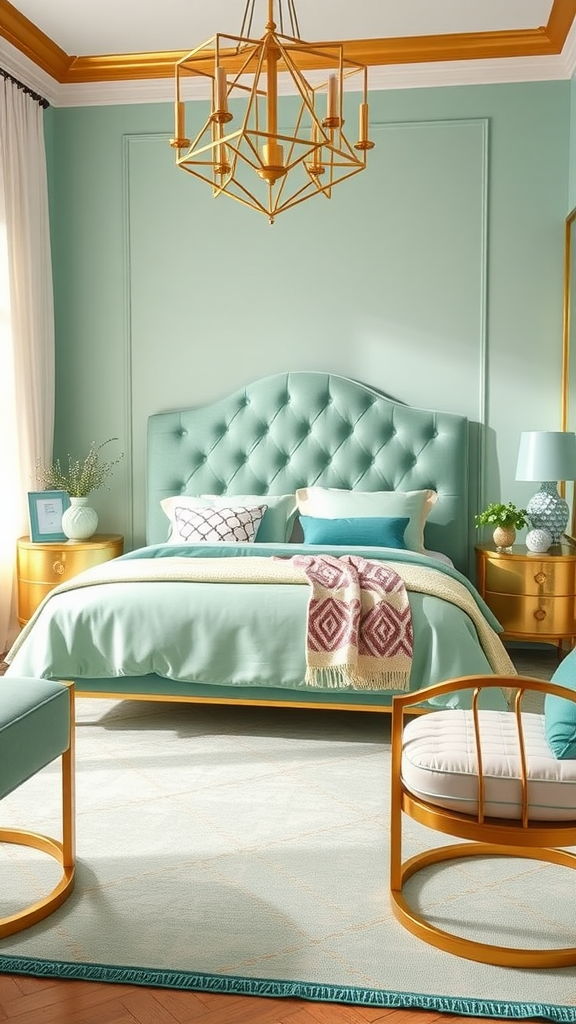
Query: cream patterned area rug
(246, 850)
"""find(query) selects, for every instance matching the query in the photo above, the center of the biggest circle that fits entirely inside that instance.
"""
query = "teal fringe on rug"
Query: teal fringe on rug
(232, 985)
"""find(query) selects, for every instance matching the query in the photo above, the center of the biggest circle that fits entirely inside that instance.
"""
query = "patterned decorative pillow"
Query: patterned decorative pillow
(276, 526)
(201, 525)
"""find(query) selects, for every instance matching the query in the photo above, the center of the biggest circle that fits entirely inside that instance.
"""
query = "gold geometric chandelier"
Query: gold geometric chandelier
(242, 150)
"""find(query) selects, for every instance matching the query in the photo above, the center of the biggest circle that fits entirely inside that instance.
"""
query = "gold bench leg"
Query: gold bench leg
(64, 852)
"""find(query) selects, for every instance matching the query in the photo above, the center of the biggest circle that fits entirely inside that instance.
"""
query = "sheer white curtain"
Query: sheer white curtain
(26, 328)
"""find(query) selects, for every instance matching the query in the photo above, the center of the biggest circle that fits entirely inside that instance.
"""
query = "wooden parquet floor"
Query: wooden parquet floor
(41, 1001)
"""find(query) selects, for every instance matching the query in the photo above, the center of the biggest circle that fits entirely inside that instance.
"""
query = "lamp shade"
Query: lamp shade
(547, 455)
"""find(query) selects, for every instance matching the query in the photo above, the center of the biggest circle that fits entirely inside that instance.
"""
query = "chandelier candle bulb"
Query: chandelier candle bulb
(331, 109)
(179, 120)
(363, 137)
(221, 91)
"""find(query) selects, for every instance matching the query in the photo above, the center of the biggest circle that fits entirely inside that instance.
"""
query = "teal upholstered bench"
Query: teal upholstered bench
(36, 728)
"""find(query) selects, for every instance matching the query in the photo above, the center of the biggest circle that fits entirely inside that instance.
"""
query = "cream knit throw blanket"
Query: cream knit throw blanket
(263, 569)
(359, 629)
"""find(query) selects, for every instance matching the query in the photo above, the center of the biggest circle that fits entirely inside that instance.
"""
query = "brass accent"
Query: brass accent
(533, 596)
(568, 414)
(484, 836)
(481, 786)
(332, 122)
(179, 143)
(220, 117)
(42, 566)
(546, 40)
(271, 174)
(266, 168)
(63, 851)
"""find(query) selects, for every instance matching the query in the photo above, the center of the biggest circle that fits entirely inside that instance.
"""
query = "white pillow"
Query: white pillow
(210, 525)
(281, 511)
(335, 503)
(276, 526)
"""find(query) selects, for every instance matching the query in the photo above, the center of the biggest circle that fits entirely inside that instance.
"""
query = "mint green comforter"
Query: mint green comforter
(226, 635)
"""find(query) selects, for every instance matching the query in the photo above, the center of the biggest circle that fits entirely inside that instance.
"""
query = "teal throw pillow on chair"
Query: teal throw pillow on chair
(560, 714)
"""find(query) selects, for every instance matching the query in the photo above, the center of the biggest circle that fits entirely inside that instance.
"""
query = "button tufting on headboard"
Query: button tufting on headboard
(293, 430)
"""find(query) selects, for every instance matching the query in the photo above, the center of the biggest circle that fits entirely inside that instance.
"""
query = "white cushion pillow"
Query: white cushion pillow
(276, 526)
(278, 521)
(209, 525)
(335, 503)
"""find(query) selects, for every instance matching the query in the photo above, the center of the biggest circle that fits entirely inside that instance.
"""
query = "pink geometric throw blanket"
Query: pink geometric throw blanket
(359, 630)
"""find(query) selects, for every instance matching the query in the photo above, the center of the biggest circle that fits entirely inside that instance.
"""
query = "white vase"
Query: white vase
(79, 520)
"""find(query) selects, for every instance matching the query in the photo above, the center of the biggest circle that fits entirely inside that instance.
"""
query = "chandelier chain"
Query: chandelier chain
(248, 18)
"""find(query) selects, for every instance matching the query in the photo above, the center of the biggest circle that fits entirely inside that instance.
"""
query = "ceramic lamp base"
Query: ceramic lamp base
(548, 511)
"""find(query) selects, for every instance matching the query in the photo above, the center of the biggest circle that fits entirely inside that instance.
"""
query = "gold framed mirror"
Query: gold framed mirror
(568, 397)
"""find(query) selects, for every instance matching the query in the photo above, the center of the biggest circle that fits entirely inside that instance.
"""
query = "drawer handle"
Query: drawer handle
(540, 578)
(59, 568)
(540, 614)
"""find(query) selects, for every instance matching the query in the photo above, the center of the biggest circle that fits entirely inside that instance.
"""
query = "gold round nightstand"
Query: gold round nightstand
(532, 594)
(42, 566)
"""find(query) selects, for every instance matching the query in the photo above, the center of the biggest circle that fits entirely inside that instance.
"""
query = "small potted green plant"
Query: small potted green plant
(505, 519)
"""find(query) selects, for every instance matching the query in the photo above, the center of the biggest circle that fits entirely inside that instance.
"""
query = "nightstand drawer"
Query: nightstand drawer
(56, 564)
(547, 616)
(42, 566)
(530, 576)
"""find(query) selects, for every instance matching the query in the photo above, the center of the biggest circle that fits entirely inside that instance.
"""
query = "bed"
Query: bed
(246, 499)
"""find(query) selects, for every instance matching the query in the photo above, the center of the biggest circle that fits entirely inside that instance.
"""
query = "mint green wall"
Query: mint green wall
(436, 275)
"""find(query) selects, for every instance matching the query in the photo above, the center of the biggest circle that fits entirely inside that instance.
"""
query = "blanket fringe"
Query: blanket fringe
(346, 677)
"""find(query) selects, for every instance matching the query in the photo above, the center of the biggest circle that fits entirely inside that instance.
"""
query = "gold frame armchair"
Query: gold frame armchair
(477, 787)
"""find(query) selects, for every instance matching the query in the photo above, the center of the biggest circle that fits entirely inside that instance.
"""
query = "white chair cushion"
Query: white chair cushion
(439, 765)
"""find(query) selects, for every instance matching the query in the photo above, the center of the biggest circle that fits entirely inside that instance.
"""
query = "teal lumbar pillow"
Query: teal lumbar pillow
(371, 531)
(560, 714)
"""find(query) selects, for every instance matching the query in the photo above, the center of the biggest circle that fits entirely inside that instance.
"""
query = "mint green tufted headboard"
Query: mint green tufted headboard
(293, 430)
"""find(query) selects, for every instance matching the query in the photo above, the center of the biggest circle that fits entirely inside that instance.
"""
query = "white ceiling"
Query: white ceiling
(68, 50)
(88, 27)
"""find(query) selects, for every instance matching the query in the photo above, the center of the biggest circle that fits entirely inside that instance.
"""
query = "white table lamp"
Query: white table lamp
(548, 456)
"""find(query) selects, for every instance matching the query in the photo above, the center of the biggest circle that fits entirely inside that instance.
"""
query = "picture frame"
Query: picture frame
(46, 509)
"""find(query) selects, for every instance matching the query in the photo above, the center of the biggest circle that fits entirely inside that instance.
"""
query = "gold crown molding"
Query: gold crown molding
(27, 38)
(372, 52)
(122, 67)
(560, 22)
(545, 41)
